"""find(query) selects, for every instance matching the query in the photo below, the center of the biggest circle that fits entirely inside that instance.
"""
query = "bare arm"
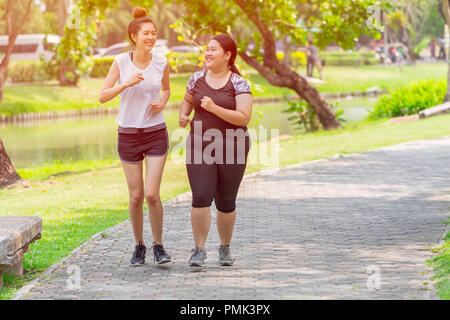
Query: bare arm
(165, 93)
(239, 117)
(109, 91)
(165, 83)
(186, 107)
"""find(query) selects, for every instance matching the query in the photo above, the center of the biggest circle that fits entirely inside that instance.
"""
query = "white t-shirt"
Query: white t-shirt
(133, 110)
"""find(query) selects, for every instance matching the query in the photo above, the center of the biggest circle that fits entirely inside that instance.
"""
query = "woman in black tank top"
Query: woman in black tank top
(218, 144)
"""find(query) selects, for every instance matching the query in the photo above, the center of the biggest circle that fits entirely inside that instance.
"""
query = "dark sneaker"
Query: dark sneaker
(138, 258)
(198, 257)
(225, 256)
(160, 255)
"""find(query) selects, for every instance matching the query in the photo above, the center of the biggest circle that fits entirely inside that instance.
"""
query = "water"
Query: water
(95, 138)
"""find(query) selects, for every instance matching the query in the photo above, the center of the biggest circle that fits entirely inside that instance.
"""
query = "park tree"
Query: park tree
(36, 21)
(434, 24)
(78, 29)
(445, 9)
(15, 18)
(412, 22)
(113, 28)
(8, 174)
(339, 21)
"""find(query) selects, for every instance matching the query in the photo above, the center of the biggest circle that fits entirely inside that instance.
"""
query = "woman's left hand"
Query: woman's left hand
(155, 107)
(208, 104)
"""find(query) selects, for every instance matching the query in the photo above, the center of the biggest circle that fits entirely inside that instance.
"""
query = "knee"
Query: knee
(226, 204)
(201, 201)
(226, 207)
(152, 197)
(136, 198)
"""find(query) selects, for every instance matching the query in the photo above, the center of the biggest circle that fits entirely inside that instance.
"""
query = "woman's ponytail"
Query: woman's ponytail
(227, 43)
(139, 17)
(234, 69)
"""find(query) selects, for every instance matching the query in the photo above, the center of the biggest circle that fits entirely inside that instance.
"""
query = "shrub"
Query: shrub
(184, 62)
(101, 67)
(27, 71)
(179, 63)
(298, 58)
(346, 58)
(410, 100)
(304, 118)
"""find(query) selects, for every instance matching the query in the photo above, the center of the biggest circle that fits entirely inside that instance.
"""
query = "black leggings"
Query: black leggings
(215, 181)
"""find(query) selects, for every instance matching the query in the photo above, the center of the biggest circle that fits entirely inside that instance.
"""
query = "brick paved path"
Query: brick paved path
(311, 231)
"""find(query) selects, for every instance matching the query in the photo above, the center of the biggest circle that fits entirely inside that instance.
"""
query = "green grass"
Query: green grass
(58, 167)
(75, 207)
(50, 97)
(343, 79)
(441, 265)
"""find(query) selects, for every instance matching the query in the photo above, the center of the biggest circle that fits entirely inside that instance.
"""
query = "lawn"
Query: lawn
(74, 207)
(50, 97)
(441, 265)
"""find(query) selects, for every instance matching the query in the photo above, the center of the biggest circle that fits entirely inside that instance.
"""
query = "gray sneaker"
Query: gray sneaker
(198, 257)
(225, 256)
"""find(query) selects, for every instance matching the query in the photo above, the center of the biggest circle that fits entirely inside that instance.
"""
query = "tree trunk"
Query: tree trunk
(281, 75)
(7, 173)
(3, 71)
(12, 31)
(63, 67)
(286, 78)
(287, 49)
(447, 96)
(320, 106)
(447, 16)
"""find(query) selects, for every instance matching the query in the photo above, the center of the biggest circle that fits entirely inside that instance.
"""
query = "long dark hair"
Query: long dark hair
(139, 17)
(227, 43)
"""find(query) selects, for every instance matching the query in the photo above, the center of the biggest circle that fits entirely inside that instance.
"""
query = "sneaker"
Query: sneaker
(225, 256)
(160, 255)
(138, 258)
(198, 257)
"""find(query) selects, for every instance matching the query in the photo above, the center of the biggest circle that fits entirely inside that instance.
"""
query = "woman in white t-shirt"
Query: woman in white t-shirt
(142, 132)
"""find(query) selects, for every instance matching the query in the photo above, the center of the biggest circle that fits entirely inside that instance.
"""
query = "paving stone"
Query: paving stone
(316, 230)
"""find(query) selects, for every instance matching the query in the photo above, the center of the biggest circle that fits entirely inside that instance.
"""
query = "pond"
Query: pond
(95, 138)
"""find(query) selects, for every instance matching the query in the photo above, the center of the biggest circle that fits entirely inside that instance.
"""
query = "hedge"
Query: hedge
(347, 58)
(410, 100)
(27, 71)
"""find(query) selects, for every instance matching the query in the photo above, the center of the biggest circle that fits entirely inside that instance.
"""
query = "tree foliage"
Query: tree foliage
(76, 47)
(415, 21)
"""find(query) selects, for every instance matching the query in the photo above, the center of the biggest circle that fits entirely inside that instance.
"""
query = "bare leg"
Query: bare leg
(319, 65)
(154, 172)
(225, 226)
(201, 221)
(133, 174)
(310, 68)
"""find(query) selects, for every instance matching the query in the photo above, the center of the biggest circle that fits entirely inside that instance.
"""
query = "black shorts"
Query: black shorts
(134, 147)
(215, 181)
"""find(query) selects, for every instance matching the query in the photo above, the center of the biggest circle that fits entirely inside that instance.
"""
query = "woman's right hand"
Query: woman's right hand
(134, 79)
(184, 120)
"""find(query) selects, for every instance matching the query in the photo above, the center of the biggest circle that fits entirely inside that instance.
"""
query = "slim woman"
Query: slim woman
(218, 144)
(142, 132)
